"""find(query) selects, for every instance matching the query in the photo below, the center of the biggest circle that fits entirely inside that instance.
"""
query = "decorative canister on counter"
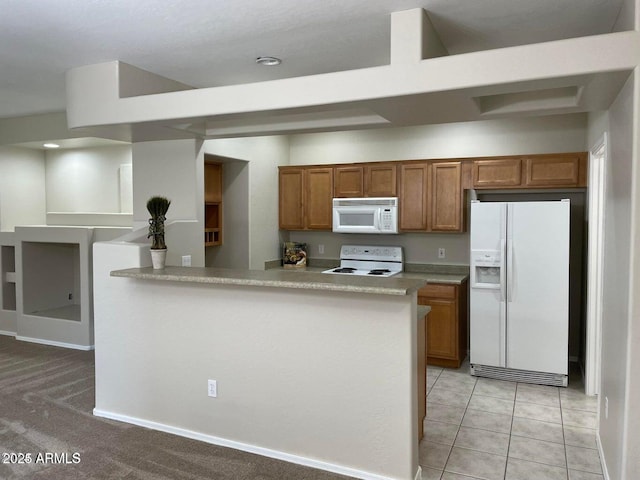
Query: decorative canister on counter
(294, 255)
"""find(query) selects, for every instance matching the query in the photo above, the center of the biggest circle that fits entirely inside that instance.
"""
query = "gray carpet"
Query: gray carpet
(46, 403)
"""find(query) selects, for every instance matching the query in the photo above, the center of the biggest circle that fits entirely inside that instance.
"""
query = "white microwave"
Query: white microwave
(365, 215)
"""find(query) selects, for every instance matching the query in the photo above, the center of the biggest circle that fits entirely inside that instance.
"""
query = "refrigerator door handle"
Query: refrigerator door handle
(510, 268)
(503, 283)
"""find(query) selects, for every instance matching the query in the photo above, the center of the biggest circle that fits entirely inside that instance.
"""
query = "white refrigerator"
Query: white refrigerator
(519, 292)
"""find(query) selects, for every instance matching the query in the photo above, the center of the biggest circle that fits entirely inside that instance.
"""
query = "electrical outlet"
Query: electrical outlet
(212, 388)
(186, 260)
(320, 248)
(71, 296)
(606, 407)
(441, 253)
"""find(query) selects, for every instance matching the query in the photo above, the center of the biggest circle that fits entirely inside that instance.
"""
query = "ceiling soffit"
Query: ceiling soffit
(526, 80)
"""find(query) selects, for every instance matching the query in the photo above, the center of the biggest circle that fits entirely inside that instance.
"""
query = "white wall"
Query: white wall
(632, 418)
(86, 179)
(617, 260)
(597, 125)
(418, 247)
(562, 133)
(627, 18)
(22, 187)
(172, 169)
(264, 154)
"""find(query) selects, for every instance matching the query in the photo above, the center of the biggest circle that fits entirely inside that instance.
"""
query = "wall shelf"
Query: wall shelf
(8, 275)
(212, 204)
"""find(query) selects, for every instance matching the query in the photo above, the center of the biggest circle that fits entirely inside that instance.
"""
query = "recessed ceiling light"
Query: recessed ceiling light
(268, 61)
(51, 145)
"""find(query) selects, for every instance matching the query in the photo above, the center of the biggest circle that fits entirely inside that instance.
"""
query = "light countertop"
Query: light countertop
(450, 278)
(454, 276)
(278, 278)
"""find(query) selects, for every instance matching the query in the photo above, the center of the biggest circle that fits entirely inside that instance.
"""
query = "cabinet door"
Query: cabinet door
(380, 180)
(413, 196)
(555, 170)
(491, 173)
(446, 197)
(319, 194)
(212, 182)
(349, 181)
(442, 333)
(291, 200)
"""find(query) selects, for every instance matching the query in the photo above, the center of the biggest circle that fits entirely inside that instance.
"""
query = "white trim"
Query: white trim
(8, 333)
(603, 463)
(55, 344)
(245, 447)
(418, 474)
(595, 263)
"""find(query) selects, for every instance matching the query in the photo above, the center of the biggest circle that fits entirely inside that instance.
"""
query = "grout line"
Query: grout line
(564, 440)
(459, 427)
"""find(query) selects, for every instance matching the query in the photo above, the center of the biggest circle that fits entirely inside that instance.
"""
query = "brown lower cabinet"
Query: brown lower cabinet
(446, 332)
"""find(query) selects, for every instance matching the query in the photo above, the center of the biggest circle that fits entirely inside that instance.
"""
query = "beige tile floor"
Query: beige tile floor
(479, 428)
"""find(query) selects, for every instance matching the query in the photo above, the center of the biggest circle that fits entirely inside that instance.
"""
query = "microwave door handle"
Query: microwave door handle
(378, 219)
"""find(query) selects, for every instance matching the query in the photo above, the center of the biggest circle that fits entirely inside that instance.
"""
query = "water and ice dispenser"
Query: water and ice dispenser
(486, 266)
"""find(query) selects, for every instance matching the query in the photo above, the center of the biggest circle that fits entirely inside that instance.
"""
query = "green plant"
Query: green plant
(157, 207)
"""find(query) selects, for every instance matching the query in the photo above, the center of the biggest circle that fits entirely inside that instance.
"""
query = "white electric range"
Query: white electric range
(371, 261)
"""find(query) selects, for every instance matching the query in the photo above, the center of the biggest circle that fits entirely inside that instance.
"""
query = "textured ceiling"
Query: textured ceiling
(208, 43)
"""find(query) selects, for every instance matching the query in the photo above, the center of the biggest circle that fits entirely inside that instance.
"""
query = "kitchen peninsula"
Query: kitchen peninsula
(314, 369)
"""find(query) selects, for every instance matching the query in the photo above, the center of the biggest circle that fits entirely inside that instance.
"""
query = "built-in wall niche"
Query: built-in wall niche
(51, 280)
(212, 204)
(8, 263)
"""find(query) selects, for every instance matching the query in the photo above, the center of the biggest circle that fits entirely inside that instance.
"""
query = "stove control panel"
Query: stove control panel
(360, 252)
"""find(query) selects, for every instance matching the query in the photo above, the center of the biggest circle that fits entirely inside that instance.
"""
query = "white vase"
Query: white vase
(158, 258)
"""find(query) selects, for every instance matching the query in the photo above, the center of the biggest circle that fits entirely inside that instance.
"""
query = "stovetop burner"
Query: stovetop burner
(344, 270)
(379, 271)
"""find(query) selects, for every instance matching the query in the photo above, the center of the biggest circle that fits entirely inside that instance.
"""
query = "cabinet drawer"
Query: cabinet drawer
(438, 290)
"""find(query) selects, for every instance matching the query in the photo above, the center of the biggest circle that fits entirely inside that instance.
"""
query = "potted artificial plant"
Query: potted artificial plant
(157, 207)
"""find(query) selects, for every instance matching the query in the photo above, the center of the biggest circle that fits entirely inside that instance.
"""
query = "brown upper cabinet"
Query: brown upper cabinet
(502, 172)
(365, 180)
(431, 197)
(380, 180)
(446, 197)
(348, 181)
(412, 202)
(568, 170)
(532, 171)
(291, 198)
(305, 195)
(319, 196)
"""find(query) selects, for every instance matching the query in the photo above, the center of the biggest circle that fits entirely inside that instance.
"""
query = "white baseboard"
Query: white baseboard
(245, 447)
(7, 333)
(418, 474)
(603, 462)
(55, 344)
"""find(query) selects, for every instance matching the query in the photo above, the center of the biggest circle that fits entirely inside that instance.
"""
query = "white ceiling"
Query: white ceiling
(206, 43)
